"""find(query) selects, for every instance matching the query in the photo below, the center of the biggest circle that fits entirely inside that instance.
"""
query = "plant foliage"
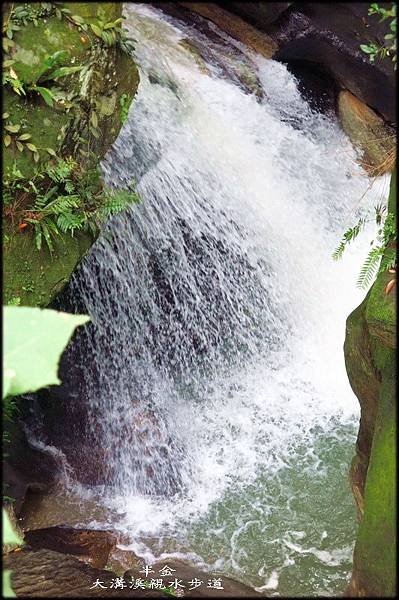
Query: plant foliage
(42, 334)
(389, 48)
(382, 255)
(33, 332)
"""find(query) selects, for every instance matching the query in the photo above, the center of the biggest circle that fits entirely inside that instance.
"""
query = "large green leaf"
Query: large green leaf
(7, 589)
(34, 339)
(9, 535)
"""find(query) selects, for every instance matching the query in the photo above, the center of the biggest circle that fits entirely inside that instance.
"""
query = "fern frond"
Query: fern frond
(47, 236)
(68, 221)
(388, 261)
(62, 204)
(349, 236)
(370, 267)
(117, 201)
(380, 210)
(61, 171)
(339, 250)
(69, 187)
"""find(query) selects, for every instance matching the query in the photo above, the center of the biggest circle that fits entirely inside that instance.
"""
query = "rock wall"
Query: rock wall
(320, 43)
(81, 123)
(370, 357)
(329, 36)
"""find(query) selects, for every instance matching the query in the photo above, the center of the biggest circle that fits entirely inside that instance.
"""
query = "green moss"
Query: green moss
(375, 551)
(370, 356)
(90, 10)
(37, 276)
(34, 44)
(41, 121)
(381, 311)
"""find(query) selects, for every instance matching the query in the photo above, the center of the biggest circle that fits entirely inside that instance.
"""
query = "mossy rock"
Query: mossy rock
(370, 357)
(33, 276)
(381, 311)
(374, 569)
(37, 276)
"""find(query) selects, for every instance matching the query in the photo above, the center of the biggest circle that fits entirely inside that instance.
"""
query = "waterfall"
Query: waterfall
(212, 374)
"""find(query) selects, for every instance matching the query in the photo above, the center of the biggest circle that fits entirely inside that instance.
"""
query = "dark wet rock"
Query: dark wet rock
(161, 78)
(316, 86)
(186, 572)
(325, 37)
(25, 469)
(92, 545)
(49, 574)
(202, 15)
(54, 564)
(328, 36)
(214, 50)
(259, 14)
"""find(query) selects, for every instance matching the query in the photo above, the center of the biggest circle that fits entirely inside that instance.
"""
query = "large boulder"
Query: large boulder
(368, 132)
(370, 357)
(322, 37)
(259, 14)
(330, 36)
(60, 128)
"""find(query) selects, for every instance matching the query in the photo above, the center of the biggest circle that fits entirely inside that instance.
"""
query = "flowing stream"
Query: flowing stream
(213, 373)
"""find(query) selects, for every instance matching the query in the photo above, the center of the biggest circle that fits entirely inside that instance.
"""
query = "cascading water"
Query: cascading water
(212, 375)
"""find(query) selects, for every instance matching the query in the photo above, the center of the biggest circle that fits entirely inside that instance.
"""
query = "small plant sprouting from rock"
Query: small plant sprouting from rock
(389, 48)
(52, 69)
(62, 198)
(383, 252)
(124, 102)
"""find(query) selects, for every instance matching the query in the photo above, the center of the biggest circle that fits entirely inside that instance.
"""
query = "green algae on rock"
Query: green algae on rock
(370, 356)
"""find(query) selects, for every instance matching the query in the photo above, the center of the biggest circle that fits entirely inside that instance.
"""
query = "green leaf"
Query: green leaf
(13, 128)
(20, 146)
(9, 535)
(32, 147)
(366, 49)
(33, 332)
(51, 61)
(96, 30)
(38, 237)
(7, 589)
(45, 94)
(63, 71)
(94, 119)
(7, 140)
(95, 133)
(24, 136)
(78, 19)
(51, 151)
